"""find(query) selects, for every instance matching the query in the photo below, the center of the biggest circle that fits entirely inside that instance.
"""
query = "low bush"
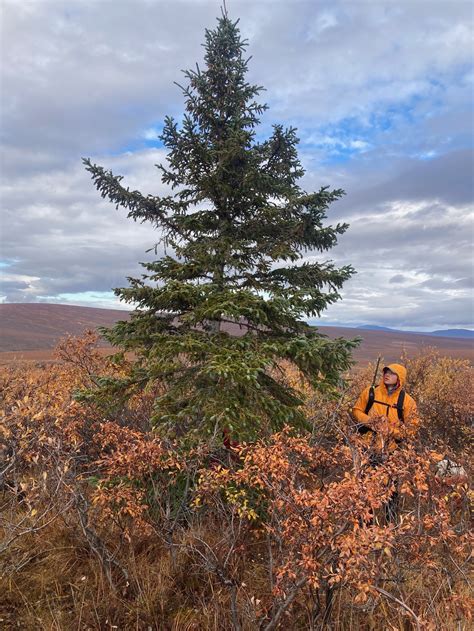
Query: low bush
(105, 525)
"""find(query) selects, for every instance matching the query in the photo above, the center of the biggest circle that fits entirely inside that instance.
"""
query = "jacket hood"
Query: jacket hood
(401, 372)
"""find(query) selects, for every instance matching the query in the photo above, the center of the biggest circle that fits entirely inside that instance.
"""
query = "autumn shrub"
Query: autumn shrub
(104, 524)
(443, 388)
(324, 519)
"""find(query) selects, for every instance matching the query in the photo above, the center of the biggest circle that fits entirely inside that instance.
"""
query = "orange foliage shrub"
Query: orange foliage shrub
(443, 388)
(321, 509)
(292, 531)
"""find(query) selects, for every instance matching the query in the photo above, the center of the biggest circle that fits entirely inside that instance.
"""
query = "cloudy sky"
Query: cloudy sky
(381, 94)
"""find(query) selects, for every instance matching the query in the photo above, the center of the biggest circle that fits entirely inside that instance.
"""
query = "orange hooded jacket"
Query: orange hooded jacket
(382, 419)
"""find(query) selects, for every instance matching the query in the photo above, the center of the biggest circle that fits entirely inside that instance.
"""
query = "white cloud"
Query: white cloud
(361, 145)
(151, 133)
(380, 93)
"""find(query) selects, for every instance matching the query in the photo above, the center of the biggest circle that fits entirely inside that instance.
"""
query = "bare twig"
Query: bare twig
(97, 545)
(285, 604)
(399, 602)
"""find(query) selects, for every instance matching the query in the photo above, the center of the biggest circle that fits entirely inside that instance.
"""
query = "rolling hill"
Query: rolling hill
(31, 331)
(36, 327)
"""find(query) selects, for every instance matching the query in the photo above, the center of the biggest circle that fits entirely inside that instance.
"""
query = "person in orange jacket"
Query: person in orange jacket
(385, 416)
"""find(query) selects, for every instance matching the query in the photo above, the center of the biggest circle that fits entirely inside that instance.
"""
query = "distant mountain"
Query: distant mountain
(466, 334)
(374, 327)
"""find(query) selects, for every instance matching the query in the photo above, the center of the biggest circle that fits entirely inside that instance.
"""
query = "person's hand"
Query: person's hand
(383, 426)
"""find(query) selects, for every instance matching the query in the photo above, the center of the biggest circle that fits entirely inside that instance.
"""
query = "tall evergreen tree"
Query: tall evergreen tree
(235, 225)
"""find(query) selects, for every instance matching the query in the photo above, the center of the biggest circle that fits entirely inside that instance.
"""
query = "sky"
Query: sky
(381, 94)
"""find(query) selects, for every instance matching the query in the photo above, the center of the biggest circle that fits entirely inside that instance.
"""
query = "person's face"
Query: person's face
(390, 378)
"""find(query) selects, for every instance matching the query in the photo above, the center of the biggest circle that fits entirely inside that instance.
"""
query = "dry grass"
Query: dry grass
(61, 587)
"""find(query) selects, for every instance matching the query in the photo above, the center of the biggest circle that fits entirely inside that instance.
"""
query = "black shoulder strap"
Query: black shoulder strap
(371, 400)
(400, 402)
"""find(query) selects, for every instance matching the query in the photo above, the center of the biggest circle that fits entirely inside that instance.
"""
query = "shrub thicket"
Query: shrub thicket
(104, 524)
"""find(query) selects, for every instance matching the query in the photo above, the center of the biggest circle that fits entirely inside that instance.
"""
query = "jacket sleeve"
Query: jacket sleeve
(358, 411)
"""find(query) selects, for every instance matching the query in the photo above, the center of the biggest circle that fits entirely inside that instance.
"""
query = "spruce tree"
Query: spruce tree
(235, 227)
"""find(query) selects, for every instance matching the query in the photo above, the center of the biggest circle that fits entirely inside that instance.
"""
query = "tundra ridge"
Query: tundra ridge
(30, 331)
